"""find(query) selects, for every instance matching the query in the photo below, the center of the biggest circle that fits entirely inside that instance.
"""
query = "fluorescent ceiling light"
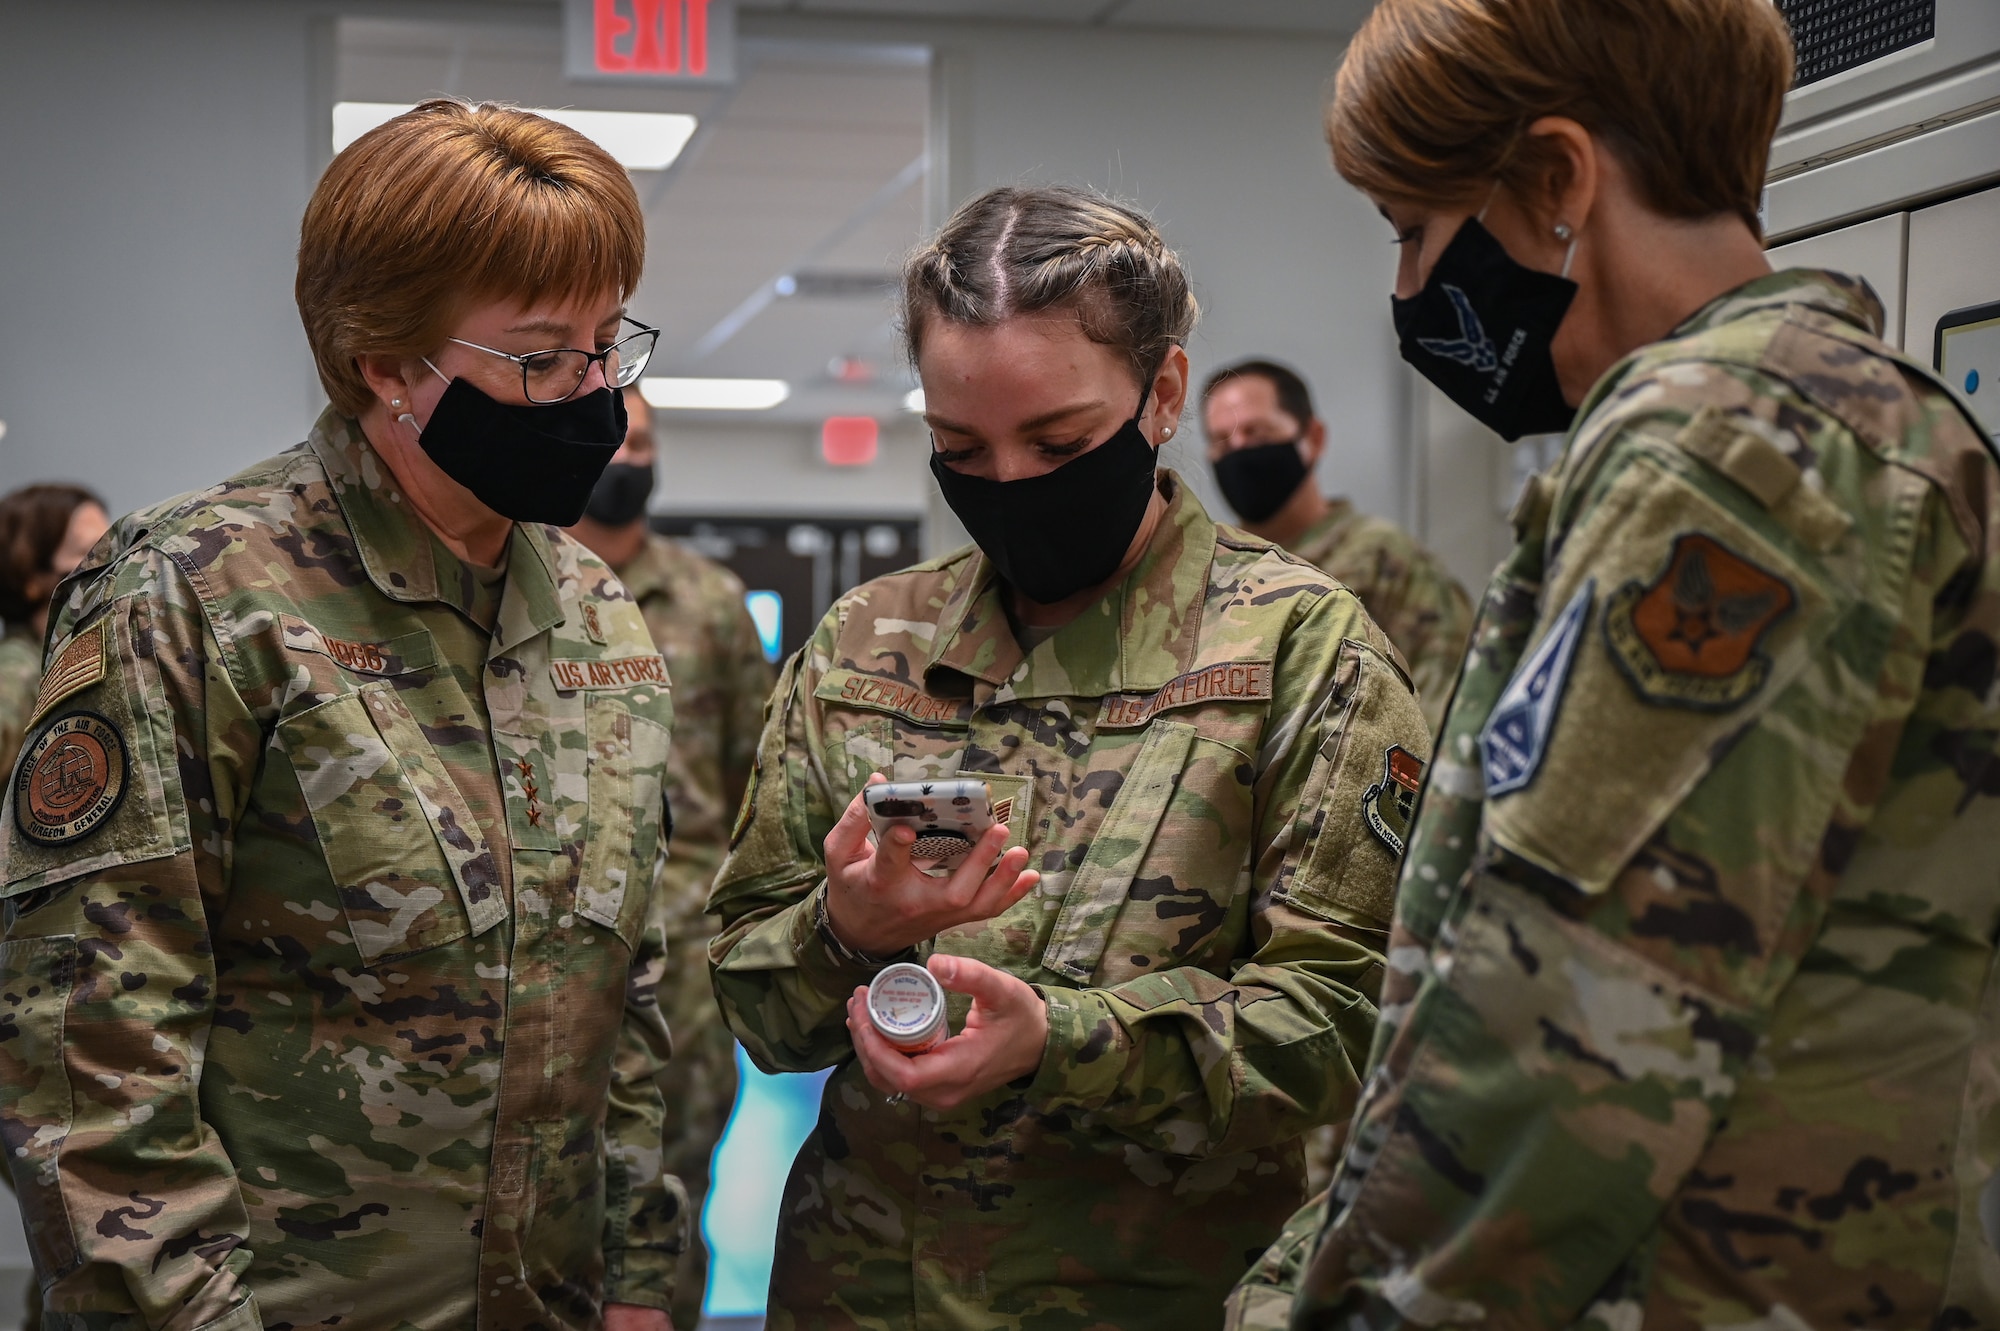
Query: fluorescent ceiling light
(640, 140)
(714, 394)
(914, 400)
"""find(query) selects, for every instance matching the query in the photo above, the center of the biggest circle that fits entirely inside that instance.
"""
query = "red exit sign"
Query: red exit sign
(652, 41)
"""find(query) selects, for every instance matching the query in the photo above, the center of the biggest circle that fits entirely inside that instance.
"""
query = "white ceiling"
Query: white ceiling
(1337, 17)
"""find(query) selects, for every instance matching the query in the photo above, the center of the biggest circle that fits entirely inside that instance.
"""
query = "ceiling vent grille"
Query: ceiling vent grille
(1835, 35)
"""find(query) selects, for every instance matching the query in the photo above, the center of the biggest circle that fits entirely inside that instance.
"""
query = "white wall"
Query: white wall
(1218, 136)
(158, 158)
(152, 174)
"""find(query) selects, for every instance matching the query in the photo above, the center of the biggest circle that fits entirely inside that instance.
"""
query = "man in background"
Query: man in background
(695, 610)
(1264, 441)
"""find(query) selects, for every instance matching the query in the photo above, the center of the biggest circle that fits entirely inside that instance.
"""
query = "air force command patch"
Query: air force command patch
(1690, 638)
(70, 779)
(1517, 733)
(1391, 803)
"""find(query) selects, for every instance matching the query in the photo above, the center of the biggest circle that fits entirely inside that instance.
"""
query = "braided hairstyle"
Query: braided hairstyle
(1026, 249)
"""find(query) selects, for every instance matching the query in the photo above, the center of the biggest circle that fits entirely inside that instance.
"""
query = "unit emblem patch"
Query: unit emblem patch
(1517, 733)
(1690, 637)
(70, 779)
(1390, 804)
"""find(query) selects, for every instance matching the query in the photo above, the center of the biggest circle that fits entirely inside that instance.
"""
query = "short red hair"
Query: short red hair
(447, 205)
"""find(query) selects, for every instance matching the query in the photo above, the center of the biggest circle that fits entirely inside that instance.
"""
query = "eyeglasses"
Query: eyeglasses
(555, 375)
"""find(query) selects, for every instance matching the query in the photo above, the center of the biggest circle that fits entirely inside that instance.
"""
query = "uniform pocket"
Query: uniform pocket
(625, 817)
(1103, 882)
(36, 975)
(1355, 810)
(411, 865)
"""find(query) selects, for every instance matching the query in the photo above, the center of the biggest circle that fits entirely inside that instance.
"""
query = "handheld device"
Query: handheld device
(947, 816)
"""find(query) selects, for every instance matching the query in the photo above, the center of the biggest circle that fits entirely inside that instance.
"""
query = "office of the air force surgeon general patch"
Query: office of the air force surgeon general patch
(69, 779)
(1390, 804)
(1690, 637)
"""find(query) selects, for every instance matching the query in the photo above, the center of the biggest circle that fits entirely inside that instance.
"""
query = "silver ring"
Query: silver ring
(895, 1099)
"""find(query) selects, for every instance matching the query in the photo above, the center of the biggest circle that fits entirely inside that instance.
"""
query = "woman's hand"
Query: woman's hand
(880, 903)
(1003, 1039)
(632, 1317)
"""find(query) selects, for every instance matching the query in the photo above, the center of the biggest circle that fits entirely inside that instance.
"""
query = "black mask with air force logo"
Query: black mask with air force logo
(1481, 330)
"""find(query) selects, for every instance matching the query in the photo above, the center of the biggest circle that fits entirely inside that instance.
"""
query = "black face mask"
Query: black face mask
(1051, 536)
(528, 463)
(620, 496)
(1481, 330)
(1258, 479)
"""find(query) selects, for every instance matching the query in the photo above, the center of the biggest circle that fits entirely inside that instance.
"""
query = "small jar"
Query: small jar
(906, 1005)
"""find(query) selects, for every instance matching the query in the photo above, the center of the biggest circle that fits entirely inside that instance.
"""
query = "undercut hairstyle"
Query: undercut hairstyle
(1294, 398)
(1027, 250)
(1434, 97)
(447, 206)
(33, 522)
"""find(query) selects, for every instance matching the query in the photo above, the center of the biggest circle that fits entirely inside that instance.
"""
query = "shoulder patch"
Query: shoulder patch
(1690, 637)
(1391, 803)
(70, 779)
(80, 664)
(1517, 733)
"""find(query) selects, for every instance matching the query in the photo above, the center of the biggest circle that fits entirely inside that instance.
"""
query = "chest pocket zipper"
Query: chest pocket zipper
(1102, 882)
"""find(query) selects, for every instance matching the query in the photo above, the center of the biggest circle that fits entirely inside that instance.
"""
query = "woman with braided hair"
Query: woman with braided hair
(1162, 965)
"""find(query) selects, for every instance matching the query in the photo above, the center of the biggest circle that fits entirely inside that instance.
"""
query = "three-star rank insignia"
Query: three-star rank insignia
(1690, 638)
(70, 779)
(1390, 804)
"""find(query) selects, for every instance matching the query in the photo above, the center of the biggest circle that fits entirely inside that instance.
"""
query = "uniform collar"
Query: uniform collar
(1322, 529)
(1846, 298)
(402, 558)
(645, 573)
(1140, 635)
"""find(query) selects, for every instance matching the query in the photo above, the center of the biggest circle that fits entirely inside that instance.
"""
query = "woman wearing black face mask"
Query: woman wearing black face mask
(335, 827)
(1713, 793)
(1204, 754)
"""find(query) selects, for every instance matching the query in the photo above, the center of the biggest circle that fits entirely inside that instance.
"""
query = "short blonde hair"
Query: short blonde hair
(1434, 97)
(1023, 250)
(450, 204)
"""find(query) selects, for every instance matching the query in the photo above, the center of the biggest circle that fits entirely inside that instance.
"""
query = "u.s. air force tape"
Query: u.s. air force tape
(70, 779)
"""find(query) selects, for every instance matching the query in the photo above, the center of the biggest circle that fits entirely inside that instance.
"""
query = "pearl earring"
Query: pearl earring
(395, 402)
(1563, 232)
(1168, 433)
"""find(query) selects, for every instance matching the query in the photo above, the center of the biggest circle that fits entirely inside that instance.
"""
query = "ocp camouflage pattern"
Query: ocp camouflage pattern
(317, 1027)
(1422, 608)
(1696, 1027)
(1186, 763)
(695, 612)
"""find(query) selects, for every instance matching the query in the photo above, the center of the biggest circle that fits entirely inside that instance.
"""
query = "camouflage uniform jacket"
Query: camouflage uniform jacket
(1690, 1015)
(1190, 765)
(695, 612)
(1410, 594)
(20, 672)
(328, 907)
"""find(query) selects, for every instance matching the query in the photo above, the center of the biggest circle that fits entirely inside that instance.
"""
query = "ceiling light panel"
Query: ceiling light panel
(714, 394)
(639, 140)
